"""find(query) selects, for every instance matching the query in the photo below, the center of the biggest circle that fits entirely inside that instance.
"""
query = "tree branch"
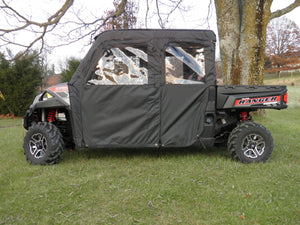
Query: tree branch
(29, 25)
(18, 22)
(174, 5)
(147, 11)
(121, 9)
(92, 28)
(281, 12)
(161, 24)
(54, 19)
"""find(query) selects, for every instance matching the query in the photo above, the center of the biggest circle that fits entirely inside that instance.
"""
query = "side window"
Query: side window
(122, 66)
(184, 65)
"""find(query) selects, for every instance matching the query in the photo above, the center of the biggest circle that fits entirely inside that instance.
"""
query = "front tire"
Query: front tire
(43, 144)
(250, 142)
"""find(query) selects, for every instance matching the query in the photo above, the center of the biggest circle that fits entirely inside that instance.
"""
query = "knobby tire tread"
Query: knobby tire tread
(54, 150)
(234, 141)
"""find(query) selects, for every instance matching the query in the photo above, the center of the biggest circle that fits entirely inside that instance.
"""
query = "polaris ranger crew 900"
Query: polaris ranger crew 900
(150, 88)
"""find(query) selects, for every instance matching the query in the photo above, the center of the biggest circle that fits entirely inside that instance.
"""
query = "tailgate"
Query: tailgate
(254, 97)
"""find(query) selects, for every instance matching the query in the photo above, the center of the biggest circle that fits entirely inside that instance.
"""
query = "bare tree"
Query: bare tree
(242, 27)
(79, 28)
(282, 45)
(26, 23)
(283, 37)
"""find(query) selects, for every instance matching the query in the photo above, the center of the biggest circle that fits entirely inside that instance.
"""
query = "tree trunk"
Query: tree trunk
(242, 27)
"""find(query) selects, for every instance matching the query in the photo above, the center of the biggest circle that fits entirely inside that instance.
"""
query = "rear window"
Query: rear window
(184, 65)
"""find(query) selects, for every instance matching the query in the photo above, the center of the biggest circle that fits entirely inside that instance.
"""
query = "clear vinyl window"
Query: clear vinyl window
(184, 65)
(122, 66)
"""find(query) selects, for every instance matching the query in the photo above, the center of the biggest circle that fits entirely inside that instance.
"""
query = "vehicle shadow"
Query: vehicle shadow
(143, 153)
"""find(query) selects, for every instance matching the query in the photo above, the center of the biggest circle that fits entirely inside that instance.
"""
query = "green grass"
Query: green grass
(182, 186)
(10, 122)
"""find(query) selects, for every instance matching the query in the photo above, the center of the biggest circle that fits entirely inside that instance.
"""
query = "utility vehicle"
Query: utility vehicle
(150, 88)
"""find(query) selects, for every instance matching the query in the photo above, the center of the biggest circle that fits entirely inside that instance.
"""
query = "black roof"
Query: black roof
(134, 34)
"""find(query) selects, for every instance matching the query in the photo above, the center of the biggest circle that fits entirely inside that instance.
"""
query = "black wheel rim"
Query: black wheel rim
(253, 146)
(38, 145)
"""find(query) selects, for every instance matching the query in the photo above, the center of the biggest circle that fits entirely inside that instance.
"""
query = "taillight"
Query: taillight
(285, 98)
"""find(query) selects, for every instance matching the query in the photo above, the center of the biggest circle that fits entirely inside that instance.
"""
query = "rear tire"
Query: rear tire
(43, 144)
(250, 142)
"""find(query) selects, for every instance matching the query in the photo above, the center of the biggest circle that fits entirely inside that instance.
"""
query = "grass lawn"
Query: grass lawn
(293, 90)
(182, 186)
(286, 78)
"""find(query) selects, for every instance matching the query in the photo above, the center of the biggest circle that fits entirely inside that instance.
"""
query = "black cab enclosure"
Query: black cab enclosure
(144, 88)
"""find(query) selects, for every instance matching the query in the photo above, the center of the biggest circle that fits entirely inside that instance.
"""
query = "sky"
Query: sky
(194, 17)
